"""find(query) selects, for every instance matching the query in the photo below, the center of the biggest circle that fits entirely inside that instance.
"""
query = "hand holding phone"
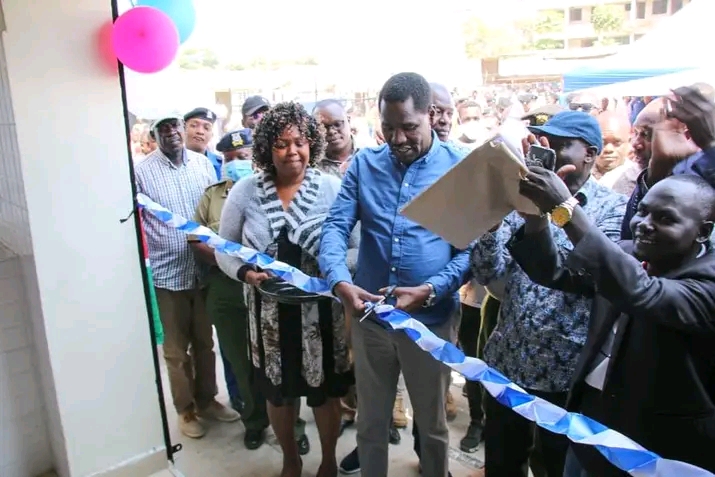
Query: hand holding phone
(541, 156)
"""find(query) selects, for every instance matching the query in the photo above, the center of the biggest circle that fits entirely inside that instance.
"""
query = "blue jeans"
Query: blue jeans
(572, 467)
(231, 384)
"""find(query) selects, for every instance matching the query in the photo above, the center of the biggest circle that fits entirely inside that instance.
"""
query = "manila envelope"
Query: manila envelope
(473, 196)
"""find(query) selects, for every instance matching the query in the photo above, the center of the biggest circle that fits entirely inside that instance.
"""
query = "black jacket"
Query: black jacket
(660, 384)
(701, 164)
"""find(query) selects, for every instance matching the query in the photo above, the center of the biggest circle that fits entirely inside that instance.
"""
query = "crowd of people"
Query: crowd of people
(604, 304)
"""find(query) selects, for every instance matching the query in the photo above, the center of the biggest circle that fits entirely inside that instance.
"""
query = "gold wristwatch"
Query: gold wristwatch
(563, 213)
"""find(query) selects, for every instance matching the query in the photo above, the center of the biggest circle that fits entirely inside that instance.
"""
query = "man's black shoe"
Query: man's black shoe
(351, 463)
(254, 438)
(303, 444)
(395, 437)
(472, 438)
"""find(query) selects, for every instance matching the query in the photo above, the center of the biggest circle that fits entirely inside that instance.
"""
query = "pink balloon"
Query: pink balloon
(104, 47)
(145, 39)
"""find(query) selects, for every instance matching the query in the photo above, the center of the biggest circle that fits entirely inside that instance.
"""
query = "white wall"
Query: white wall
(24, 444)
(90, 303)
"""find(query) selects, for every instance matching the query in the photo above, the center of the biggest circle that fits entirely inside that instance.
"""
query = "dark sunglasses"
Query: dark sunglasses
(585, 107)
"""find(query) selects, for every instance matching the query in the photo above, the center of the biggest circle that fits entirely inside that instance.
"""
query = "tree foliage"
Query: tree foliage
(549, 21)
(204, 58)
(483, 40)
(198, 58)
(548, 44)
(607, 19)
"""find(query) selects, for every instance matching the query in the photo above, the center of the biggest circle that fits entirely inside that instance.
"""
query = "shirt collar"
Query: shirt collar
(587, 190)
(642, 185)
(353, 151)
(434, 148)
(184, 158)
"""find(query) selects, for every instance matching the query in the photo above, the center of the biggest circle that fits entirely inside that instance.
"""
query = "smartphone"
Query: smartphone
(541, 156)
(668, 108)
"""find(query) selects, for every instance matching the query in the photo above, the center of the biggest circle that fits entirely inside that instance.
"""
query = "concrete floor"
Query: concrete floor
(221, 452)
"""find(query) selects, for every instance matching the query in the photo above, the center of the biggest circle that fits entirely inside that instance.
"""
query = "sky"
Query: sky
(326, 29)
(389, 35)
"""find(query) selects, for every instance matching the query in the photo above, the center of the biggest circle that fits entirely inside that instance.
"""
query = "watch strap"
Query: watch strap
(568, 205)
(433, 294)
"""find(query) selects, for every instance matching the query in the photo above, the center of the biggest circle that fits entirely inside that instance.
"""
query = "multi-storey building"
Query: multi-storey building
(578, 30)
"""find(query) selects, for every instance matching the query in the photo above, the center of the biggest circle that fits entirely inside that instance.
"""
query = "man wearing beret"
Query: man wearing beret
(199, 131)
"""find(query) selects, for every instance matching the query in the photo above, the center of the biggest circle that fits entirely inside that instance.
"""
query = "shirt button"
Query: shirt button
(393, 269)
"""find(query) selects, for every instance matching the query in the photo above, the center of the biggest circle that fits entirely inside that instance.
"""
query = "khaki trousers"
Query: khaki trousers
(188, 347)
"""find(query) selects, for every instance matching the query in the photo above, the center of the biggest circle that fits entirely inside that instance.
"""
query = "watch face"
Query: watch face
(560, 216)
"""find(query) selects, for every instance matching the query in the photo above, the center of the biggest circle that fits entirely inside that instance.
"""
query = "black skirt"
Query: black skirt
(290, 328)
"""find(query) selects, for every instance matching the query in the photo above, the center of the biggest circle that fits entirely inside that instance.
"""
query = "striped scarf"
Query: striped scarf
(302, 225)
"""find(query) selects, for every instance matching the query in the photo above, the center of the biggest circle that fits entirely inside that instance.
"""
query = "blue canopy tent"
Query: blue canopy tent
(671, 47)
(592, 77)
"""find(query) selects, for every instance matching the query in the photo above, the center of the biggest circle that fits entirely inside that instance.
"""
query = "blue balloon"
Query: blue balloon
(182, 13)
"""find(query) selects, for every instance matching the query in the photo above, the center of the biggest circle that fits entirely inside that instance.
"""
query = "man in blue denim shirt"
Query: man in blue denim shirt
(427, 271)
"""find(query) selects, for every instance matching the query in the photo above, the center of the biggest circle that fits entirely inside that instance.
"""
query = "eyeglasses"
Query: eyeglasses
(585, 107)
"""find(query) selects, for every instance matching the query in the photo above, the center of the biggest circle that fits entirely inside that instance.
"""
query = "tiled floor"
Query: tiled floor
(221, 452)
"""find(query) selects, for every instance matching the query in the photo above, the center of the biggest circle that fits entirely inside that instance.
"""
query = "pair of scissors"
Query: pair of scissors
(389, 293)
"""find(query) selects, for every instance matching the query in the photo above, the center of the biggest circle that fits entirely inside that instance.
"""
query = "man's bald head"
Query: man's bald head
(440, 94)
(669, 139)
(651, 114)
(615, 130)
(442, 111)
(614, 121)
(673, 221)
(642, 135)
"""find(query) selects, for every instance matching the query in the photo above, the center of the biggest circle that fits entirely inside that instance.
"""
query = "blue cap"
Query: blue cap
(573, 125)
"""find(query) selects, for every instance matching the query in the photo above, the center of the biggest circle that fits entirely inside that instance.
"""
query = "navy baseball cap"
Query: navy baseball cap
(572, 125)
(240, 139)
(254, 104)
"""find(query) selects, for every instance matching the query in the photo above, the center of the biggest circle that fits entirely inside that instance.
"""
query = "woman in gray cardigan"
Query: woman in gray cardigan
(297, 350)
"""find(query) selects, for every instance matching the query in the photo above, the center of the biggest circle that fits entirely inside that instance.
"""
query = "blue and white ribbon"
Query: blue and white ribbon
(288, 273)
(621, 451)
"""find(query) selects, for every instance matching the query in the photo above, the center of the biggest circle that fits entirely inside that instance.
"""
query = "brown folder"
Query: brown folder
(473, 196)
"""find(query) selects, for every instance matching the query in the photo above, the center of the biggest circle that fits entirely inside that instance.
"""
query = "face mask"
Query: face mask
(471, 130)
(237, 169)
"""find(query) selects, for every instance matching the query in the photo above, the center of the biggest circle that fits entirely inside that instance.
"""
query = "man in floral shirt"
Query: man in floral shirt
(540, 331)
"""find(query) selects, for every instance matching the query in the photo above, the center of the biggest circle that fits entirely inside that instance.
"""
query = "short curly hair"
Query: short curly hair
(274, 122)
